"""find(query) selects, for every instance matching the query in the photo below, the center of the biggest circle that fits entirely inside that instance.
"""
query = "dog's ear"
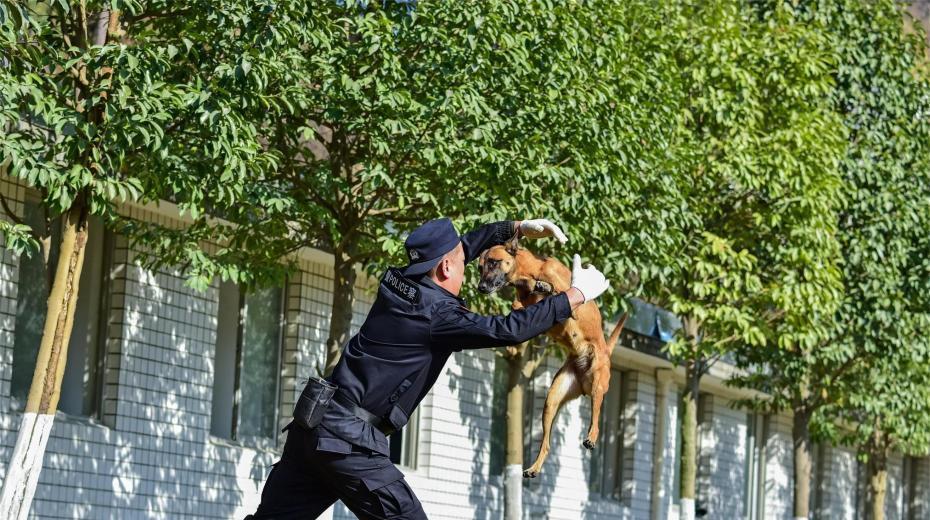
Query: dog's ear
(512, 245)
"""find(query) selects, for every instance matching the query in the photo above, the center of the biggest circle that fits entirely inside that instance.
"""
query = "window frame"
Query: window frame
(497, 448)
(676, 432)
(409, 435)
(612, 442)
(754, 466)
(236, 402)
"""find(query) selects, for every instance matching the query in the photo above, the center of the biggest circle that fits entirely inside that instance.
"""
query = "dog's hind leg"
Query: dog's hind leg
(600, 373)
(565, 387)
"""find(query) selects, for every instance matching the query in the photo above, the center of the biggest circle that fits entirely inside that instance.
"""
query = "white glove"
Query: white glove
(540, 227)
(591, 282)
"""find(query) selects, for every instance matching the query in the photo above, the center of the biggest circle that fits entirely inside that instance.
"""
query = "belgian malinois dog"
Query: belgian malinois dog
(587, 367)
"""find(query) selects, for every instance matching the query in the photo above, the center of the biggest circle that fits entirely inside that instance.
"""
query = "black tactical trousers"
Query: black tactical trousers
(314, 473)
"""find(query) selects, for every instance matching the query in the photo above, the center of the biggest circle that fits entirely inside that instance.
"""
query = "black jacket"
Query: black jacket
(411, 330)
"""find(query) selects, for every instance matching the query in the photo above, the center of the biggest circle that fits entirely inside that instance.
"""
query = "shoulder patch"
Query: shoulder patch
(401, 286)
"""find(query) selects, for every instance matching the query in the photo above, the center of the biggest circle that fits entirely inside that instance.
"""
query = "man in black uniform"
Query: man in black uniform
(416, 322)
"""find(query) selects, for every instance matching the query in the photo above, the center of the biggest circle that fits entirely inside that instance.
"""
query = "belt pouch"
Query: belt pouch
(313, 402)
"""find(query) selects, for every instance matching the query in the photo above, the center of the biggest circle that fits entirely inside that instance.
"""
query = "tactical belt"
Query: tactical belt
(363, 414)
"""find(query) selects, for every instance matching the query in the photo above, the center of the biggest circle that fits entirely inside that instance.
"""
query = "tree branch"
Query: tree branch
(9, 212)
(153, 16)
(385, 211)
(536, 357)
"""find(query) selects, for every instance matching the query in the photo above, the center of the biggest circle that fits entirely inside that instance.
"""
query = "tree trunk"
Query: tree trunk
(689, 439)
(878, 482)
(26, 463)
(340, 321)
(693, 371)
(878, 476)
(800, 432)
(513, 469)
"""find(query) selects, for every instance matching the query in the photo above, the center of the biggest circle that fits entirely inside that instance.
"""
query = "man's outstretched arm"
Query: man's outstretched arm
(455, 327)
(497, 233)
(487, 236)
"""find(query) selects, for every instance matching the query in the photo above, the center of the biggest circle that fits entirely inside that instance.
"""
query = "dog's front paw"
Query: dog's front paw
(543, 287)
(528, 473)
(588, 444)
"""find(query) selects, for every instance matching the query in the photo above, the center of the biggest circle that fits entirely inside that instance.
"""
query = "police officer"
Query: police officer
(416, 322)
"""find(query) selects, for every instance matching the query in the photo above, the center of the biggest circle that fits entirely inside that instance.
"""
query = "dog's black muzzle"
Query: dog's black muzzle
(492, 283)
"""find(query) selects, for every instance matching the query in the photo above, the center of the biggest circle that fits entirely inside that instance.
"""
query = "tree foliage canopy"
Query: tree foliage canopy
(868, 364)
(758, 154)
(99, 104)
(378, 116)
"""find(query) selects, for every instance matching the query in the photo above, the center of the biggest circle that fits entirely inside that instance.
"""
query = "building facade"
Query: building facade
(173, 401)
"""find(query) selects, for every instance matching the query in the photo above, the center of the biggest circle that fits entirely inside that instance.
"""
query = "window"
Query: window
(247, 363)
(82, 382)
(498, 438)
(607, 459)
(862, 488)
(704, 425)
(754, 471)
(532, 424)
(911, 494)
(815, 496)
(406, 442)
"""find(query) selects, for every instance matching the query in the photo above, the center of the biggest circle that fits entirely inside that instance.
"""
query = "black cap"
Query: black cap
(428, 243)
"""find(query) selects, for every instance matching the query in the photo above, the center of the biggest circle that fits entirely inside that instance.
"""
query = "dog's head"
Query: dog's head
(496, 265)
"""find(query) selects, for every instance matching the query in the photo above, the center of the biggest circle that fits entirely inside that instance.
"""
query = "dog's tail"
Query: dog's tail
(615, 335)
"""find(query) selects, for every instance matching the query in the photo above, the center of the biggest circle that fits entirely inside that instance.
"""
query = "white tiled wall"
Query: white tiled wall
(837, 478)
(8, 289)
(722, 458)
(667, 508)
(639, 435)
(894, 492)
(920, 501)
(779, 464)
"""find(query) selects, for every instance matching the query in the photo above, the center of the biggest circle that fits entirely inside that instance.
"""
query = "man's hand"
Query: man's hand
(591, 282)
(540, 228)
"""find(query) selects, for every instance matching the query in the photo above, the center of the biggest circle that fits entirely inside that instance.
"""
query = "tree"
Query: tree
(759, 149)
(880, 91)
(887, 400)
(97, 108)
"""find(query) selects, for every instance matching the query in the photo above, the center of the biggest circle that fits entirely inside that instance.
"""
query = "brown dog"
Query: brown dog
(587, 367)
